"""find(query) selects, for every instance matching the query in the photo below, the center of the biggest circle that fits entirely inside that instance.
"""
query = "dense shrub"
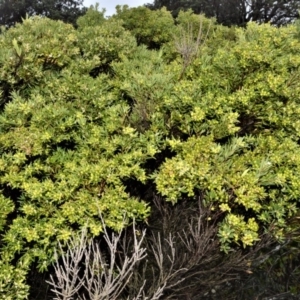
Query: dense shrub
(95, 119)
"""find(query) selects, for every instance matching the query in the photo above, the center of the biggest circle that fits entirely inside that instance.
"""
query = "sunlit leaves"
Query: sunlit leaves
(65, 142)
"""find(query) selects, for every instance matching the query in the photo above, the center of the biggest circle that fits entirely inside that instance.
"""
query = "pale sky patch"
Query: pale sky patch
(110, 5)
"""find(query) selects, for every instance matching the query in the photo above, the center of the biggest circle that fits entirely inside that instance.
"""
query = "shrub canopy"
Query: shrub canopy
(90, 121)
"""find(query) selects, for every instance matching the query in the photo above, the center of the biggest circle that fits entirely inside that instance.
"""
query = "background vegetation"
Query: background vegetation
(236, 12)
(12, 12)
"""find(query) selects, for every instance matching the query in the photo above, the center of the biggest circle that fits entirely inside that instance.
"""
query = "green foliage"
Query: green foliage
(93, 119)
(186, 18)
(135, 79)
(12, 281)
(246, 88)
(106, 42)
(30, 52)
(66, 148)
(152, 28)
(92, 17)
